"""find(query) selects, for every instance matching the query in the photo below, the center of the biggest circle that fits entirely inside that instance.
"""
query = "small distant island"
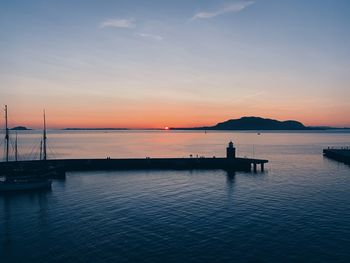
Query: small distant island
(20, 128)
(253, 123)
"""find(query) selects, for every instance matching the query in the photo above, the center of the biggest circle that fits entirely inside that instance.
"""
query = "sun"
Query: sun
(166, 128)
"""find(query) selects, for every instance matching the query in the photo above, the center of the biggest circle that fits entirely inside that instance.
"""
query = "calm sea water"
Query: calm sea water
(298, 210)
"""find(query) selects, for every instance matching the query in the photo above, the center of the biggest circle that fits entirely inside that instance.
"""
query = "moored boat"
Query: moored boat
(20, 179)
(22, 184)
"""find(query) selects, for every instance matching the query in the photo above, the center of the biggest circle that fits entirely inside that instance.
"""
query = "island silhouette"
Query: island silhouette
(20, 128)
(253, 123)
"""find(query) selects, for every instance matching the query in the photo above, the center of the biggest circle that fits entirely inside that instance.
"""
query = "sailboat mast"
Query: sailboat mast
(6, 136)
(44, 139)
(16, 149)
(41, 150)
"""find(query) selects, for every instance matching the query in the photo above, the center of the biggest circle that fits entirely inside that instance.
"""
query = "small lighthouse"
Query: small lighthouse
(230, 151)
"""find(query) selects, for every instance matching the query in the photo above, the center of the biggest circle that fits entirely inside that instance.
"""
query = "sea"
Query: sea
(298, 210)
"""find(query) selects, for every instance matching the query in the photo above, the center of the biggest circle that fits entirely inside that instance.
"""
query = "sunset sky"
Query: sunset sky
(183, 63)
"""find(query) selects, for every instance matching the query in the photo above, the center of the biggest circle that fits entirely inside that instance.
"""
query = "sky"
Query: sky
(151, 64)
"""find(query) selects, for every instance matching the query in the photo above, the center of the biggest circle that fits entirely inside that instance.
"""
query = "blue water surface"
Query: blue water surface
(297, 211)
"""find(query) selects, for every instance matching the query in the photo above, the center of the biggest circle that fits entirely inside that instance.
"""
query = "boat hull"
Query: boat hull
(24, 186)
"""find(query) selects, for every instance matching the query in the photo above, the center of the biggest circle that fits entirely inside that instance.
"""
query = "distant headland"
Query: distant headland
(94, 129)
(254, 123)
(241, 124)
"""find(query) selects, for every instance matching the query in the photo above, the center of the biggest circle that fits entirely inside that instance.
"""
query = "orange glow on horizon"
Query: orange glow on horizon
(136, 122)
(166, 115)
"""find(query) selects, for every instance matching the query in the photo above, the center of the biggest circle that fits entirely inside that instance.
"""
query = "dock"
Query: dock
(60, 166)
(340, 155)
(237, 164)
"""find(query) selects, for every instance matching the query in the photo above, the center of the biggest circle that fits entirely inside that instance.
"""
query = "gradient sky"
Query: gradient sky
(174, 63)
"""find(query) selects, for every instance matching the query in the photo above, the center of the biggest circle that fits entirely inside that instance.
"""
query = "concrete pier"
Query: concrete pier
(341, 155)
(58, 167)
(236, 164)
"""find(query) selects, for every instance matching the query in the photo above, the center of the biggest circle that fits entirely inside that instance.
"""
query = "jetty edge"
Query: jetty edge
(58, 167)
(338, 154)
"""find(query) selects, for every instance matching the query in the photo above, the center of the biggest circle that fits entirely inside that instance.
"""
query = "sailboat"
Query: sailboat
(20, 179)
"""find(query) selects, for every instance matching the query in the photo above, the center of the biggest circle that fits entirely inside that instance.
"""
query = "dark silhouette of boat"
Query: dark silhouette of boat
(20, 179)
(23, 183)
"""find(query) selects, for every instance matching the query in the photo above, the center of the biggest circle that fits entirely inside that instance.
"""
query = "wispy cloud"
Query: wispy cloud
(229, 8)
(249, 96)
(119, 23)
(151, 36)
